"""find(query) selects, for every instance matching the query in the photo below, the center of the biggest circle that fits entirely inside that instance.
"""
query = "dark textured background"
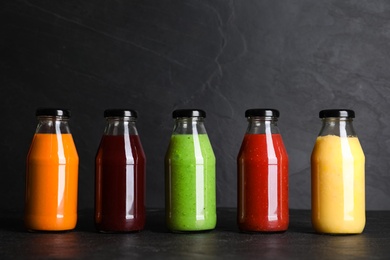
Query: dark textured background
(222, 56)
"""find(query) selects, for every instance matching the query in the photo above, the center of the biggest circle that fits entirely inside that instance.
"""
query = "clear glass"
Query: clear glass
(121, 126)
(190, 170)
(337, 126)
(189, 125)
(338, 179)
(262, 125)
(53, 125)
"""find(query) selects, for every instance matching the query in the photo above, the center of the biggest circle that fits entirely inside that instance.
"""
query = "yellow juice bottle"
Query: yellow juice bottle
(338, 176)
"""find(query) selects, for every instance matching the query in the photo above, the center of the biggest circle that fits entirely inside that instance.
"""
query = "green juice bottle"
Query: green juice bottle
(190, 187)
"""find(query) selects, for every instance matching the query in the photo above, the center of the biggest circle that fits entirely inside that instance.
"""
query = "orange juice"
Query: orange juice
(51, 183)
(338, 189)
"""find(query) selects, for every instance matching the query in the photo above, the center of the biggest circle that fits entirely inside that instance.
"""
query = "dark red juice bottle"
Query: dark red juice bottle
(262, 166)
(120, 175)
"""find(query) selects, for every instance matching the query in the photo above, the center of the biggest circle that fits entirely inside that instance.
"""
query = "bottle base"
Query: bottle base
(338, 234)
(43, 223)
(191, 231)
(119, 231)
(263, 231)
(49, 231)
(341, 229)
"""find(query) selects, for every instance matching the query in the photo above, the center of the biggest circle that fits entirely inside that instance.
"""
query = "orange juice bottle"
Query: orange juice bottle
(51, 174)
(337, 176)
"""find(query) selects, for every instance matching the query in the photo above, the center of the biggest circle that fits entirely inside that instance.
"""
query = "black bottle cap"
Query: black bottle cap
(262, 112)
(52, 112)
(337, 113)
(188, 113)
(120, 113)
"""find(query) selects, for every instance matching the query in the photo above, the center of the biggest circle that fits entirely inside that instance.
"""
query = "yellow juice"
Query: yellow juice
(338, 188)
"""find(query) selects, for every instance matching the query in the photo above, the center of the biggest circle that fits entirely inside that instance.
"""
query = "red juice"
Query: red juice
(120, 184)
(263, 184)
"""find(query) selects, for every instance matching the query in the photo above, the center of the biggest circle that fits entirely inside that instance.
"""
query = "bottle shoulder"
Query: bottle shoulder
(336, 146)
(190, 147)
(51, 146)
(262, 147)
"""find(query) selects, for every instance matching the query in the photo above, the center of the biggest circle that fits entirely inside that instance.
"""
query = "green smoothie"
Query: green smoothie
(190, 183)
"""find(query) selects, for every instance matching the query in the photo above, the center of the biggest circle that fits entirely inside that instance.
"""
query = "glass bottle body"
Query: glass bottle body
(262, 167)
(120, 178)
(51, 175)
(338, 178)
(190, 178)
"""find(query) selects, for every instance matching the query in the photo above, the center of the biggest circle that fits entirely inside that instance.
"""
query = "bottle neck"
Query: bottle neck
(262, 125)
(120, 126)
(52, 125)
(342, 127)
(189, 125)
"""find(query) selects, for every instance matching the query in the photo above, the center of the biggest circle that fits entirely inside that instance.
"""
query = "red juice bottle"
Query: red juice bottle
(120, 175)
(262, 166)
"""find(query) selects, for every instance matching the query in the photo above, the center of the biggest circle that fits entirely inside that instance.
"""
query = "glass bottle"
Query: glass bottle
(262, 166)
(51, 174)
(337, 176)
(120, 175)
(190, 185)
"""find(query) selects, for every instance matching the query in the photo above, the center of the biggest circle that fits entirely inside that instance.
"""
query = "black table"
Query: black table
(299, 242)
